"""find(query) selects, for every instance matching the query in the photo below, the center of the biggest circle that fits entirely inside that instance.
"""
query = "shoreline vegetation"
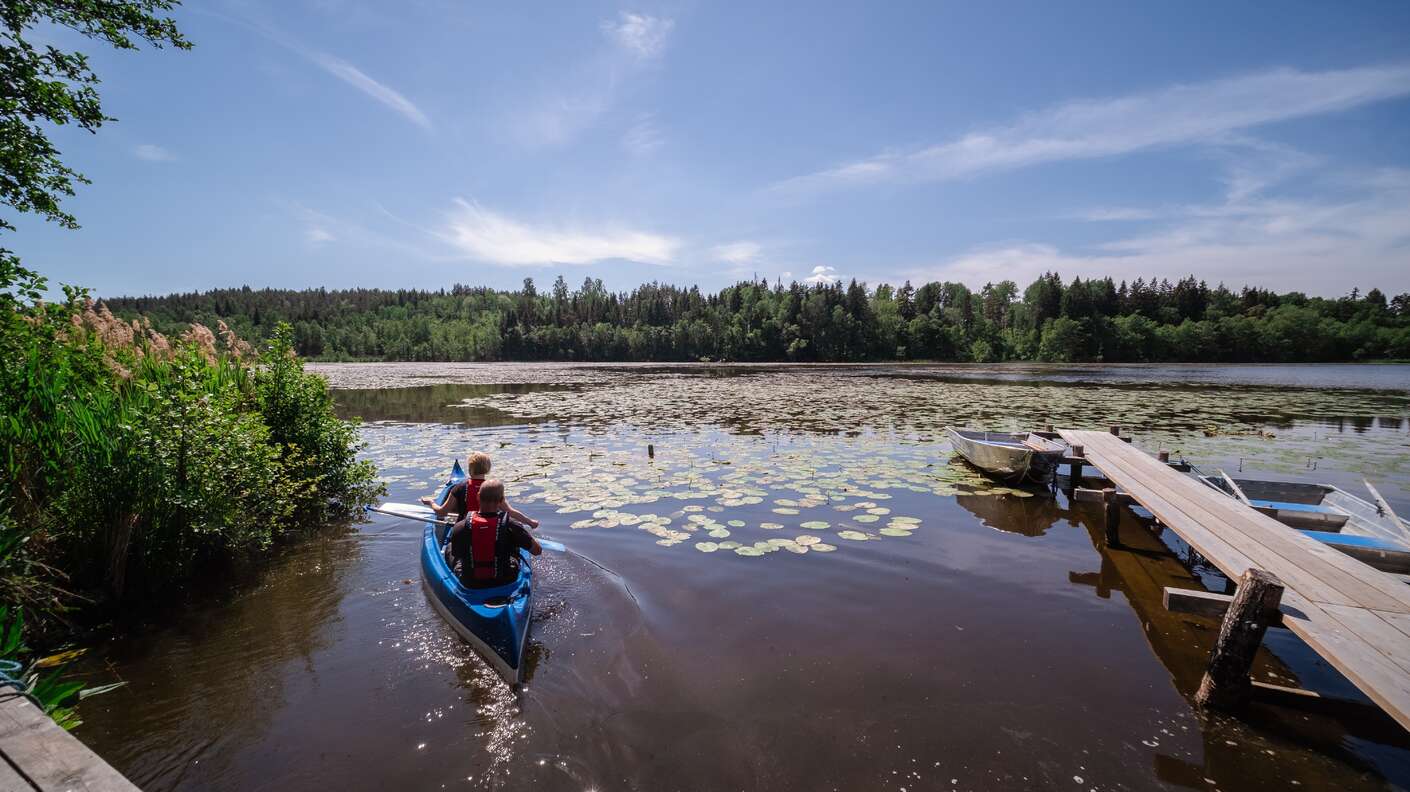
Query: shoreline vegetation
(137, 462)
(1080, 321)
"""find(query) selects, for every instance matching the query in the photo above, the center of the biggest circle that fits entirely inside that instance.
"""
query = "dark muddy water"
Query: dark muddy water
(799, 590)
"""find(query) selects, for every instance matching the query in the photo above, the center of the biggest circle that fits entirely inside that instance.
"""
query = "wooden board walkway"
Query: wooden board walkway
(1355, 617)
(36, 754)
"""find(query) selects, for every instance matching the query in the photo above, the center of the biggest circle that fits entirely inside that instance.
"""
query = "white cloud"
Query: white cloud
(1116, 213)
(317, 235)
(644, 137)
(823, 275)
(153, 153)
(488, 236)
(640, 34)
(1181, 114)
(1318, 246)
(355, 77)
(742, 252)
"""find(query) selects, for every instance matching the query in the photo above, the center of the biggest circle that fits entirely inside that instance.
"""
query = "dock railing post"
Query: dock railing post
(1111, 511)
(1074, 473)
(1226, 683)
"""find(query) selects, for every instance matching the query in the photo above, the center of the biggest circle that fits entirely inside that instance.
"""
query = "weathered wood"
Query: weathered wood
(1111, 517)
(1205, 603)
(48, 757)
(1344, 610)
(1116, 429)
(1226, 683)
(1089, 495)
(1163, 456)
(1075, 462)
(1392, 561)
(650, 451)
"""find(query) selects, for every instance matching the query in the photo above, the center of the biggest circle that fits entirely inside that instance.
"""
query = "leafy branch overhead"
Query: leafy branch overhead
(43, 86)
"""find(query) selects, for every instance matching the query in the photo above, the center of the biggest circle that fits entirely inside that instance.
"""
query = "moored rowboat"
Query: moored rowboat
(1009, 455)
(495, 621)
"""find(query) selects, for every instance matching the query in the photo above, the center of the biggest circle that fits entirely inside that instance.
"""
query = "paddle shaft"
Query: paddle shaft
(547, 544)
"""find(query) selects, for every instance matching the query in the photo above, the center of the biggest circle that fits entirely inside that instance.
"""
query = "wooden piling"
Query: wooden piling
(1226, 683)
(650, 451)
(1163, 456)
(1116, 429)
(1075, 468)
(1111, 517)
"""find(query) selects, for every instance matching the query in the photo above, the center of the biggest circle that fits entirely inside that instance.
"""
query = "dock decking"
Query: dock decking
(1355, 617)
(36, 754)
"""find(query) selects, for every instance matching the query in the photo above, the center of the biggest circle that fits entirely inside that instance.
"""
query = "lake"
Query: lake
(778, 578)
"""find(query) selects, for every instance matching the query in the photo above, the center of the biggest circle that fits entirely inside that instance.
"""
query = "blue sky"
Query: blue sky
(426, 142)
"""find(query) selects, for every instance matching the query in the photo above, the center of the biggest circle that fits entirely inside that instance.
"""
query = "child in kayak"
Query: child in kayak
(464, 498)
(484, 547)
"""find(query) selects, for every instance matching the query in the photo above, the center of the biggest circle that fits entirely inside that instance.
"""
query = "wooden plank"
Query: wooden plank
(1381, 680)
(50, 757)
(1344, 573)
(1202, 603)
(1321, 573)
(1376, 631)
(1197, 525)
(1365, 645)
(10, 779)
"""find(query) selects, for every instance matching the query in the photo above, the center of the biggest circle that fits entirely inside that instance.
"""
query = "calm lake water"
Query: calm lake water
(799, 590)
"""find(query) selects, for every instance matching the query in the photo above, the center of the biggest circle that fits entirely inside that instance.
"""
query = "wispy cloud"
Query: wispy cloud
(644, 137)
(318, 235)
(1323, 246)
(590, 90)
(358, 79)
(484, 235)
(333, 65)
(641, 34)
(1181, 114)
(742, 252)
(153, 153)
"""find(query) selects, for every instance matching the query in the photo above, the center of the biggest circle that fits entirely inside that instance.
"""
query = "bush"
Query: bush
(132, 459)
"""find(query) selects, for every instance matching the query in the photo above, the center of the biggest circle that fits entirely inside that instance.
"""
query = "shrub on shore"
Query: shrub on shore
(133, 460)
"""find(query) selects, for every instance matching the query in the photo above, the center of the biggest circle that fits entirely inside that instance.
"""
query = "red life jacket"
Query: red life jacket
(484, 536)
(472, 497)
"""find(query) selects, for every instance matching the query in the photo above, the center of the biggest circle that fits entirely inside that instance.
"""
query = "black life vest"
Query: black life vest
(484, 540)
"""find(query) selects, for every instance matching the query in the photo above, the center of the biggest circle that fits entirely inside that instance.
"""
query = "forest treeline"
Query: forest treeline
(1050, 320)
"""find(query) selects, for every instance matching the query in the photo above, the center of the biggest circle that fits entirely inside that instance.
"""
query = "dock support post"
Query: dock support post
(1112, 517)
(1163, 456)
(1116, 429)
(1074, 477)
(1226, 683)
(650, 451)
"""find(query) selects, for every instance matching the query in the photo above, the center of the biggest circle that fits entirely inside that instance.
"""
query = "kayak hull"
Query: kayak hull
(495, 621)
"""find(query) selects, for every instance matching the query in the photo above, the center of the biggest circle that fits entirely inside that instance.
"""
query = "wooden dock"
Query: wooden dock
(1354, 616)
(36, 754)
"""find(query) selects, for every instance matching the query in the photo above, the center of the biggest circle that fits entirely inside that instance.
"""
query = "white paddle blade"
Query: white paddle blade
(409, 511)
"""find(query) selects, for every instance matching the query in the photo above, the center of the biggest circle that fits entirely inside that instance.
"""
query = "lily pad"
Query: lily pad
(816, 525)
(894, 532)
(822, 547)
(856, 536)
(748, 551)
(866, 518)
(706, 547)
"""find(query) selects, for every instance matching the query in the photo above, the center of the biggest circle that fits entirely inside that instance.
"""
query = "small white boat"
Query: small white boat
(1012, 456)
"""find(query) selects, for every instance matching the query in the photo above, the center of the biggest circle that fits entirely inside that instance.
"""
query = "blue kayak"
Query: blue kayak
(493, 620)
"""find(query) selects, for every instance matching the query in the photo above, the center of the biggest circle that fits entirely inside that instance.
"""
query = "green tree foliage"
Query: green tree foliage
(43, 85)
(1085, 320)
